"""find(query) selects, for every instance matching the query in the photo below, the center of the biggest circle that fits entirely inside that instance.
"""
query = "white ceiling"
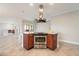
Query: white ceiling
(28, 12)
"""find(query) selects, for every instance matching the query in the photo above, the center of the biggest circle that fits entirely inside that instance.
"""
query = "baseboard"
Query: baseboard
(70, 42)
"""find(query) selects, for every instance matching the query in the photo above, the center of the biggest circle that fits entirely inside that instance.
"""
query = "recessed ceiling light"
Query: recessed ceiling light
(51, 4)
(31, 4)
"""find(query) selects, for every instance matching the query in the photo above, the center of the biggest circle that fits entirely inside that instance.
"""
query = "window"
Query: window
(28, 27)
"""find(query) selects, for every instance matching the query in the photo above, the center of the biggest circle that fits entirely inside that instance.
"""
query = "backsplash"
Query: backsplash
(43, 27)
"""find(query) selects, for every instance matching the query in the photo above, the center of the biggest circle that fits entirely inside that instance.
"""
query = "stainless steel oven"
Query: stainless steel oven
(40, 41)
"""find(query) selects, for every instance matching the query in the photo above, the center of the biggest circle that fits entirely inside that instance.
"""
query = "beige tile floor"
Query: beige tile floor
(9, 46)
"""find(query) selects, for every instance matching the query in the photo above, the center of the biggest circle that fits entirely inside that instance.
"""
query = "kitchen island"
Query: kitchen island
(40, 40)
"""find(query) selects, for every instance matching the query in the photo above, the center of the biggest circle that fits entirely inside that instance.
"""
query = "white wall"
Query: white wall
(43, 27)
(1, 28)
(67, 25)
(6, 24)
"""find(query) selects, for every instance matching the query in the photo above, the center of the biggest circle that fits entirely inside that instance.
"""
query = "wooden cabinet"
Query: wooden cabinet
(28, 41)
(52, 41)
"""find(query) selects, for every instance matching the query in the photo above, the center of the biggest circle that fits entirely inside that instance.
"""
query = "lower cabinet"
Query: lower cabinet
(28, 41)
(52, 41)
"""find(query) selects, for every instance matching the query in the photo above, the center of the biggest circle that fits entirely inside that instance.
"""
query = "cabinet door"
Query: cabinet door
(28, 41)
(25, 41)
(31, 41)
(52, 41)
(49, 41)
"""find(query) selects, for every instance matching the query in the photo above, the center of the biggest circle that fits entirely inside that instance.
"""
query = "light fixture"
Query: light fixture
(31, 4)
(40, 18)
(41, 8)
(51, 4)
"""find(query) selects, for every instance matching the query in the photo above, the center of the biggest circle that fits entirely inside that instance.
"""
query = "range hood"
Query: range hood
(40, 18)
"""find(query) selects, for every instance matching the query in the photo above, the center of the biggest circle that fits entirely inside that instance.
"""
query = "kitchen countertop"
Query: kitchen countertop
(39, 33)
